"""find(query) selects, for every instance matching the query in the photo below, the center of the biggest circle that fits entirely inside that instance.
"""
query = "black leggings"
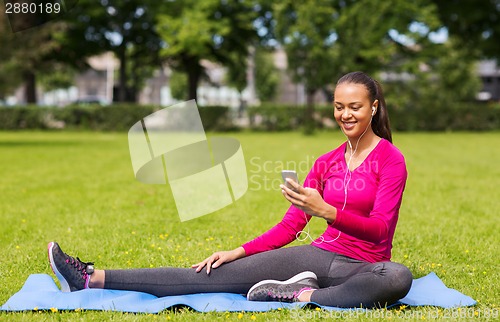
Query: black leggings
(343, 281)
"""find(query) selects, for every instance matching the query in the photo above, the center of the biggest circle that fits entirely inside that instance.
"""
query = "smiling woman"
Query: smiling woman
(356, 191)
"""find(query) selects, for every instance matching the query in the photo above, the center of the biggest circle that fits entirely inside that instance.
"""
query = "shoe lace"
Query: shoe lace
(80, 266)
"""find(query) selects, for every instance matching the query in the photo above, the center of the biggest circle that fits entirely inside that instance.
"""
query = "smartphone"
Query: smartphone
(292, 174)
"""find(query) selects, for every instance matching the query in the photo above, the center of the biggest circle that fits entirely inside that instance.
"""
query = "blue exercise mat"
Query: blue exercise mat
(40, 292)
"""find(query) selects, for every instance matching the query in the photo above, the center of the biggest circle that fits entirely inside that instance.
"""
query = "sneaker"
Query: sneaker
(287, 291)
(73, 274)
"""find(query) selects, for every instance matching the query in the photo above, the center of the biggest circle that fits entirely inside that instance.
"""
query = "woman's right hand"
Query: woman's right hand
(219, 258)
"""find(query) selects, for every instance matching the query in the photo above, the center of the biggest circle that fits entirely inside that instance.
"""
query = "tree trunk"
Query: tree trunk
(193, 79)
(30, 87)
(194, 70)
(309, 112)
(122, 82)
(134, 88)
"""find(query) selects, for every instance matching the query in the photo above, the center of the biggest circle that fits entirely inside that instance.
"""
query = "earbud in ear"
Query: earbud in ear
(374, 110)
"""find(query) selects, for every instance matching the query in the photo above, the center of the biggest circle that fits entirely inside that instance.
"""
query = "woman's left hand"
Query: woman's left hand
(308, 200)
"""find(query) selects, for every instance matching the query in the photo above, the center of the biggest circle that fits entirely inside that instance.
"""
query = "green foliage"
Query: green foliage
(27, 54)
(436, 95)
(26, 117)
(457, 72)
(476, 23)
(216, 118)
(274, 117)
(61, 77)
(117, 117)
(458, 116)
(325, 39)
(178, 83)
(236, 73)
(126, 28)
(461, 116)
(10, 78)
(304, 29)
(322, 38)
(219, 31)
(376, 35)
(266, 75)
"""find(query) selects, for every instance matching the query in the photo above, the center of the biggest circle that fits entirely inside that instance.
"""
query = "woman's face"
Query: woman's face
(353, 108)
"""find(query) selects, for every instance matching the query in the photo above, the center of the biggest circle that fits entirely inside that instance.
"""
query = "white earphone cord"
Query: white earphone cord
(306, 234)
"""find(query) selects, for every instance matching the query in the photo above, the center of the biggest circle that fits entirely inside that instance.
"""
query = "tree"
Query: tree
(325, 39)
(26, 54)
(124, 27)
(9, 78)
(304, 29)
(371, 42)
(399, 42)
(445, 76)
(219, 31)
(475, 23)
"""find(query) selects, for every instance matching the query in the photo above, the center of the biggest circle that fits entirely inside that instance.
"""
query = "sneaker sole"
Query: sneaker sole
(64, 284)
(292, 280)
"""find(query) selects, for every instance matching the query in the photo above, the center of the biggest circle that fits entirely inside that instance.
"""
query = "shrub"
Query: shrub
(270, 117)
(471, 116)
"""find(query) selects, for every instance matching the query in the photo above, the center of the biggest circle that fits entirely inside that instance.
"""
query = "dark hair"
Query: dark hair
(380, 121)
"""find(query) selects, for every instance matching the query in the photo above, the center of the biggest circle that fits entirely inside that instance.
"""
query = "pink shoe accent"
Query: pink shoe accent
(304, 290)
(87, 281)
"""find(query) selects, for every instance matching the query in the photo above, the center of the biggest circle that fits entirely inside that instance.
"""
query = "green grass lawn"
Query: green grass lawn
(79, 189)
